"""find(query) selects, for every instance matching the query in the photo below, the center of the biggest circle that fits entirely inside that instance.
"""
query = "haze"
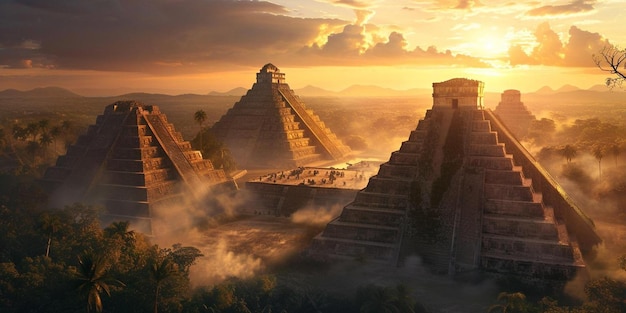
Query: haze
(176, 47)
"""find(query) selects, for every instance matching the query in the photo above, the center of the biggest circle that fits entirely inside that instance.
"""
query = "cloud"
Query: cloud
(190, 36)
(352, 3)
(550, 50)
(575, 7)
(457, 4)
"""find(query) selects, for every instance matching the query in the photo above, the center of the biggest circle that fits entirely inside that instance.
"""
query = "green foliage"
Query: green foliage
(214, 150)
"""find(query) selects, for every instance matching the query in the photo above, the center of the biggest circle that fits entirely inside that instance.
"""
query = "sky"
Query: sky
(110, 47)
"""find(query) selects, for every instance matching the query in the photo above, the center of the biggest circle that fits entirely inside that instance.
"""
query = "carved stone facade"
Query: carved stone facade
(515, 115)
(271, 127)
(460, 170)
(131, 161)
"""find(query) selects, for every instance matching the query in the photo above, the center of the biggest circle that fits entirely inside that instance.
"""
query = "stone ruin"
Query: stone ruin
(464, 195)
(131, 162)
(515, 115)
(271, 127)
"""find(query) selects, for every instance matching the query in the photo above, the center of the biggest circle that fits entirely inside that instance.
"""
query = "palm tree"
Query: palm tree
(200, 117)
(568, 152)
(43, 125)
(161, 271)
(510, 303)
(598, 153)
(615, 151)
(32, 129)
(92, 280)
(45, 140)
(55, 132)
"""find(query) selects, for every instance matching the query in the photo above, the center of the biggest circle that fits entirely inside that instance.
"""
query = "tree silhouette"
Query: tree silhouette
(598, 153)
(160, 271)
(45, 140)
(615, 150)
(32, 129)
(200, 117)
(55, 131)
(510, 303)
(568, 152)
(92, 280)
(610, 59)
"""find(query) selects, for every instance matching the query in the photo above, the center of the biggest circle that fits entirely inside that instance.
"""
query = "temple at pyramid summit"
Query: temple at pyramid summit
(271, 127)
(464, 195)
(131, 162)
(515, 115)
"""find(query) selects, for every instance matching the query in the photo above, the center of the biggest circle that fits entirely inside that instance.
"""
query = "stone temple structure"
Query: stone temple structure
(131, 162)
(271, 127)
(463, 194)
(515, 115)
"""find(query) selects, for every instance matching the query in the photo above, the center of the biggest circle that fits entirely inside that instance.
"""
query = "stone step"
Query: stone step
(527, 247)
(487, 150)
(485, 138)
(508, 192)
(362, 232)
(403, 158)
(493, 163)
(481, 126)
(351, 249)
(533, 228)
(503, 177)
(514, 208)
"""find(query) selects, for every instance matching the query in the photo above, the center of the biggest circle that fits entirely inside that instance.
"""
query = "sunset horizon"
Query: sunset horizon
(197, 47)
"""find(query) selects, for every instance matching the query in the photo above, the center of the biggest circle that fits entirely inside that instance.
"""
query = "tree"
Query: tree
(55, 132)
(598, 153)
(510, 303)
(200, 117)
(160, 271)
(610, 60)
(45, 140)
(32, 129)
(92, 280)
(568, 152)
(615, 151)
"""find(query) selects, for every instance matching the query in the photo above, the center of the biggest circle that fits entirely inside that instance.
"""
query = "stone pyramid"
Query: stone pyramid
(515, 115)
(130, 162)
(271, 127)
(463, 194)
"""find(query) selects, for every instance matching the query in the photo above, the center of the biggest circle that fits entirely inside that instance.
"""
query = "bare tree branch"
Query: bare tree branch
(611, 59)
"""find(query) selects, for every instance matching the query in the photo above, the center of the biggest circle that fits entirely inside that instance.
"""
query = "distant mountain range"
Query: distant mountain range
(307, 91)
(45, 92)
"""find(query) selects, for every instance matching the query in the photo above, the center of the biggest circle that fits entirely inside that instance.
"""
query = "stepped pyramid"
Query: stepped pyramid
(271, 127)
(465, 195)
(515, 115)
(131, 162)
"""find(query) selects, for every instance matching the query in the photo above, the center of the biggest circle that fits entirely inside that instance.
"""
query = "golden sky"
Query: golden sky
(108, 47)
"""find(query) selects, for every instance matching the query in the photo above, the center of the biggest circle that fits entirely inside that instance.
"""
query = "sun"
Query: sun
(490, 46)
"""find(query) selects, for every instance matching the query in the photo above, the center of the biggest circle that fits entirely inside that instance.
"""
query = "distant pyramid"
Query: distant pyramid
(465, 195)
(131, 161)
(271, 127)
(515, 115)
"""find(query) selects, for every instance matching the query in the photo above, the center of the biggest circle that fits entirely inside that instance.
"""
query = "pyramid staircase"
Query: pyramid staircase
(492, 218)
(373, 225)
(131, 161)
(271, 127)
(519, 233)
